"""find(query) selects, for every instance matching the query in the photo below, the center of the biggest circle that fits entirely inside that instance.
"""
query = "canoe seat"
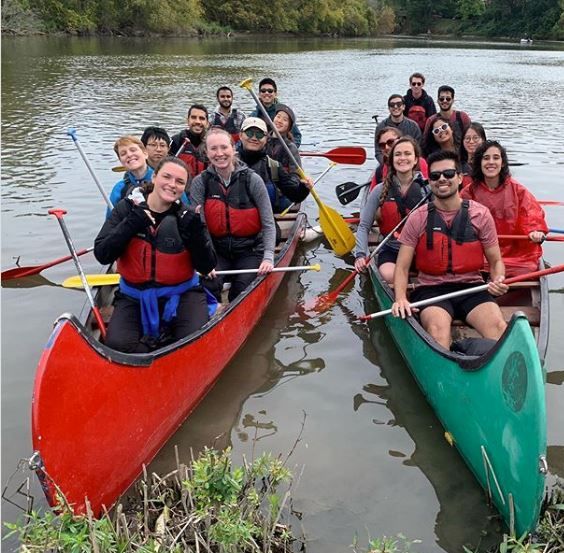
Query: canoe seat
(532, 314)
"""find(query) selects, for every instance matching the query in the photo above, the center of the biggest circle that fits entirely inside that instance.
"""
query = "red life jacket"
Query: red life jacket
(192, 157)
(455, 249)
(230, 211)
(396, 206)
(417, 114)
(230, 124)
(157, 255)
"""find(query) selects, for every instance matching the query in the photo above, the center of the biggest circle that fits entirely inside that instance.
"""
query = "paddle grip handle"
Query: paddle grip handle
(72, 133)
(57, 212)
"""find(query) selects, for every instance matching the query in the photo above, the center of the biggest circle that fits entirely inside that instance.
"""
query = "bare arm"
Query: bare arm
(401, 307)
(497, 271)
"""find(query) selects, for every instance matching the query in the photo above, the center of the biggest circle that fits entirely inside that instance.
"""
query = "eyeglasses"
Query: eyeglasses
(395, 104)
(444, 127)
(157, 145)
(266, 90)
(257, 133)
(447, 173)
(416, 84)
(472, 139)
(445, 98)
(389, 143)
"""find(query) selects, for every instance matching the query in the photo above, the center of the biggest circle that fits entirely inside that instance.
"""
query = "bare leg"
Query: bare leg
(387, 272)
(437, 322)
(487, 319)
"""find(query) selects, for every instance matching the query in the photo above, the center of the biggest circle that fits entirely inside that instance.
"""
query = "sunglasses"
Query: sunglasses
(444, 127)
(445, 98)
(257, 133)
(395, 104)
(447, 173)
(416, 84)
(267, 90)
(389, 143)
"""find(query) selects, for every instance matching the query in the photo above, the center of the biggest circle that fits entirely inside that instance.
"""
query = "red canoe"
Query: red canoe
(99, 415)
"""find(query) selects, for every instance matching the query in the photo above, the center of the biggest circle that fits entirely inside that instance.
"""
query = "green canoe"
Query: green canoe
(492, 407)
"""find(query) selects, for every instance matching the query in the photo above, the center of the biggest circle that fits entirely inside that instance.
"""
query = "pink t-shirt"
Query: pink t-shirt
(416, 226)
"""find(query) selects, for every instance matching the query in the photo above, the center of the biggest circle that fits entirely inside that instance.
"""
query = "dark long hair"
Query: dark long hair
(430, 145)
(391, 169)
(477, 173)
(479, 129)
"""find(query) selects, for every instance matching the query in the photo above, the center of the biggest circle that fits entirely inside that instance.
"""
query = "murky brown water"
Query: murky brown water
(374, 457)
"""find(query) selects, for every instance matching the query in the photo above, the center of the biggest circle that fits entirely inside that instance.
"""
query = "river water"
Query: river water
(373, 457)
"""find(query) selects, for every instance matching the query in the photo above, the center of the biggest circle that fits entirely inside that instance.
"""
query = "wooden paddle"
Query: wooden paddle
(322, 303)
(19, 272)
(528, 276)
(525, 237)
(349, 191)
(111, 279)
(59, 214)
(334, 227)
(353, 155)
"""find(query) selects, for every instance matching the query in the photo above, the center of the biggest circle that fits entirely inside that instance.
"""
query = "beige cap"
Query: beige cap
(256, 122)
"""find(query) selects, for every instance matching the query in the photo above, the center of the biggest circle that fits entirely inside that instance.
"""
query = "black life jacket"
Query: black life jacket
(230, 124)
(455, 249)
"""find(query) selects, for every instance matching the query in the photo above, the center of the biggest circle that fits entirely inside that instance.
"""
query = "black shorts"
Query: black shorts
(457, 308)
(386, 255)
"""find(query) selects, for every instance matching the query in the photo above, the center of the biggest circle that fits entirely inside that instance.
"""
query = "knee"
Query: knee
(387, 272)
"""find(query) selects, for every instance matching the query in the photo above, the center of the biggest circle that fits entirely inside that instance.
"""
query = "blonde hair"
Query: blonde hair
(125, 141)
(217, 130)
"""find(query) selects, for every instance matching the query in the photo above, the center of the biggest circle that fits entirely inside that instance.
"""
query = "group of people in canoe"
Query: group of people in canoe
(458, 184)
(194, 204)
(204, 200)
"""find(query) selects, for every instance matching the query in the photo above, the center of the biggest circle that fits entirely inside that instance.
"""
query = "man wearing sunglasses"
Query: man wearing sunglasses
(268, 98)
(397, 120)
(283, 187)
(449, 238)
(418, 104)
(459, 120)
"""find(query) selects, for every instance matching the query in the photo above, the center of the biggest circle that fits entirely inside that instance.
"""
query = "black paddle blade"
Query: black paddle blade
(348, 191)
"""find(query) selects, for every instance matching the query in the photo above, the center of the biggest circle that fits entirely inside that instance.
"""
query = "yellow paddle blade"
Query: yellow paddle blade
(336, 230)
(93, 280)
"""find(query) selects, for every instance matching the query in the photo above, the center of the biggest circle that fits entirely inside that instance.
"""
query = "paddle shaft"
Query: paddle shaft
(111, 279)
(59, 214)
(556, 230)
(331, 165)
(467, 291)
(322, 208)
(72, 134)
(526, 237)
(19, 272)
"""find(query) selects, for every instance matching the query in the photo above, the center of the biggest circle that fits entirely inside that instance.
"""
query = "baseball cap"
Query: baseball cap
(254, 122)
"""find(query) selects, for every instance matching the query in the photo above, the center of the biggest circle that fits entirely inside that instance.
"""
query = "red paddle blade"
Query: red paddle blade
(19, 272)
(324, 302)
(353, 155)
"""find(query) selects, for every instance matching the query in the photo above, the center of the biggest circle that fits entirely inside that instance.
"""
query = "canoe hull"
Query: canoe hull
(493, 408)
(98, 416)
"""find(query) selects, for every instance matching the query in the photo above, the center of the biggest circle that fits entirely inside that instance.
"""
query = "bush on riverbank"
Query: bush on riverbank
(209, 505)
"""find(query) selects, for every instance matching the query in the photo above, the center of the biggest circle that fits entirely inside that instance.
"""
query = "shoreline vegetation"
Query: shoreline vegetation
(509, 19)
(210, 505)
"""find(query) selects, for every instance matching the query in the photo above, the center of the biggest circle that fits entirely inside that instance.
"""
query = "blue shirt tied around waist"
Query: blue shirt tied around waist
(149, 302)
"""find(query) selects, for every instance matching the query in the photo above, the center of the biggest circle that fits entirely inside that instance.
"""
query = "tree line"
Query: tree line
(539, 19)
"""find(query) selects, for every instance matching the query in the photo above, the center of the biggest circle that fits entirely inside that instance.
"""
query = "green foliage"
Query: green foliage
(395, 544)
(211, 502)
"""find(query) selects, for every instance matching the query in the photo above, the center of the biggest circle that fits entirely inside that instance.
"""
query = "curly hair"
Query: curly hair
(478, 174)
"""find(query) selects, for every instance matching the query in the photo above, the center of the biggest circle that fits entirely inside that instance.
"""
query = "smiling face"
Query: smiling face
(197, 121)
(220, 151)
(404, 158)
(442, 133)
(132, 156)
(416, 85)
(282, 122)
(444, 179)
(491, 164)
(157, 149)
(395, 107)
(168, 184)
(471, 142)
(386, 141)
(445, 100)
(267, 94)
(225, 98)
